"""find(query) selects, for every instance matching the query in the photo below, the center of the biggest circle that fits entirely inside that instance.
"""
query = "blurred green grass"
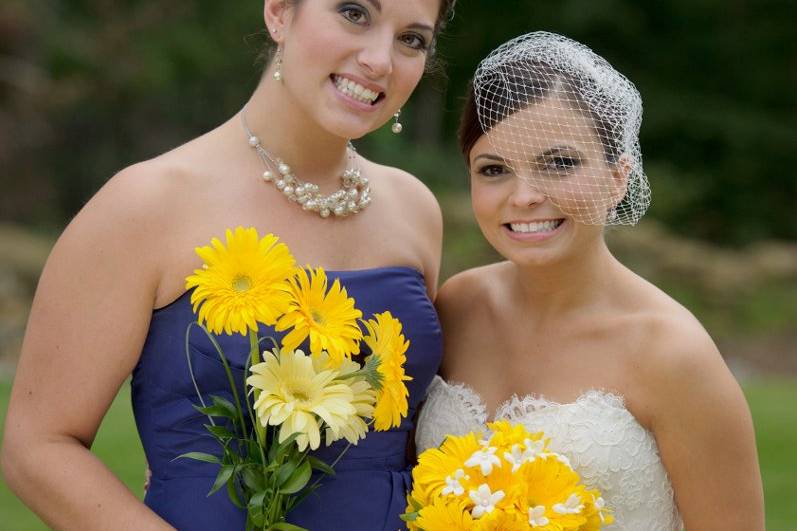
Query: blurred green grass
(771, 401)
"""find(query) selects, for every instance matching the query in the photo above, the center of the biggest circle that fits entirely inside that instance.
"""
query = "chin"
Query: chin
(345, 127)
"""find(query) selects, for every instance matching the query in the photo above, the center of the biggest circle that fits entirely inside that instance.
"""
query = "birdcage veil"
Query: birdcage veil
(567, 123)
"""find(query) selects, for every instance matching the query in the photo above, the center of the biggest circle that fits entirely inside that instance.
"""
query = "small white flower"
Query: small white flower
(534, 448)
(537, 516)
(526, 454)
(485, 500)
(600, 505)
(453, 486)
(573, 505)
(484, 459)
(562, 459)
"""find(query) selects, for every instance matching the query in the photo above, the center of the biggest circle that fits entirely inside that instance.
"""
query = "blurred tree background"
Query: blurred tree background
(88, 87)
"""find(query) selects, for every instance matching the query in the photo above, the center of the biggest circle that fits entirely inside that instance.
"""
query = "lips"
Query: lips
(356, 91)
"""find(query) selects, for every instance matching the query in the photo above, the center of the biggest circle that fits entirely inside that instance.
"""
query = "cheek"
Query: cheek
(485, 202)
(407, 73)
(319, 41)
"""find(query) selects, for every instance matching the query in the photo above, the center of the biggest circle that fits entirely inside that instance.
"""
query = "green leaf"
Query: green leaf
(285, 471)
(255, 508)
(214, 411)
(220, 432)
(225, 474)
(253, 451)
(409, 517)
(278, 450)
(225, 404)
(285, 526)
(298, 479)
(320, 465)
(253, 478)
(199, 456)
(232, 492)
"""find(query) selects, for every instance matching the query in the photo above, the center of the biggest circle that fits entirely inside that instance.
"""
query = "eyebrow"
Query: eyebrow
(490, 156)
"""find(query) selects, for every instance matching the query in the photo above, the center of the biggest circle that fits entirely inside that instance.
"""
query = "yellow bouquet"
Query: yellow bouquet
(292, 398)
(509, 480)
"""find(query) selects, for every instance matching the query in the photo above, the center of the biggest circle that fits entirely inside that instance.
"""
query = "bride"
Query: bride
(562, 337)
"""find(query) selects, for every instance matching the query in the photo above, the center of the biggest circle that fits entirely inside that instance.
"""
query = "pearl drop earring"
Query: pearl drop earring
(278, 65)
(397, 127)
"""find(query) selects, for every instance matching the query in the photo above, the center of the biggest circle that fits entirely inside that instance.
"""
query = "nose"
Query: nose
(526, 194)
(376, 56)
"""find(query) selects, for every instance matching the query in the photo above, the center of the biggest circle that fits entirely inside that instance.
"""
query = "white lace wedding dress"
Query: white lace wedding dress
(604, 442)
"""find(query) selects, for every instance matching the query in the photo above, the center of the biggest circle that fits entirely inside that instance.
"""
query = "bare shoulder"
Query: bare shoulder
(700, 418)
(679, 362)
(467, 306)
(125, 227)
(410, 201)
(469, 295)
(409, 192)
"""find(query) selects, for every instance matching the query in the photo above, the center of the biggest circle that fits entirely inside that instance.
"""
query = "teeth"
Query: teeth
(537, 226)
(355, 90)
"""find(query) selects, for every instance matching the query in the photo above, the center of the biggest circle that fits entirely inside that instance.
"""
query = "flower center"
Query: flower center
(301, 393)
(318, 318)
(241, 283)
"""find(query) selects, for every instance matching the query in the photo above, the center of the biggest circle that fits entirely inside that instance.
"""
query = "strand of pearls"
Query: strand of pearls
(353, 196)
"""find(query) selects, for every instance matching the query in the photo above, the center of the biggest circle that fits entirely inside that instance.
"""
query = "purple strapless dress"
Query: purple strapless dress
(368, 491)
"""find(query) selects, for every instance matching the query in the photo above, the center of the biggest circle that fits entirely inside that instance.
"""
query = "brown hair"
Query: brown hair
(538, 81)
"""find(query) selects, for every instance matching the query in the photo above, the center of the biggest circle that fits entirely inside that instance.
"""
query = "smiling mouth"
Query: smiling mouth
(356, 91)
(535, 227)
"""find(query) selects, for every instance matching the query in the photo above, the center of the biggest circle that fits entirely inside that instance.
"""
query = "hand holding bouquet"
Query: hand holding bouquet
(507, 481)
(292, 397)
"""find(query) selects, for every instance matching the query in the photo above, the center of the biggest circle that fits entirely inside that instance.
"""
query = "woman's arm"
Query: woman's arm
(87, 324)
(705, 434)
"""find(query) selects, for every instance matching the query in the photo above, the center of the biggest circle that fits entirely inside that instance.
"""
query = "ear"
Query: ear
(276, 14)
(620, 173)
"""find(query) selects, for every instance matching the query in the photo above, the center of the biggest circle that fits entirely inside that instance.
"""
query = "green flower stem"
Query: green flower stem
(230, 379)
(254, 357)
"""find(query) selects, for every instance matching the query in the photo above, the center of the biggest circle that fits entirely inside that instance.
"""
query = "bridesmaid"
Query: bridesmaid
(111, 299)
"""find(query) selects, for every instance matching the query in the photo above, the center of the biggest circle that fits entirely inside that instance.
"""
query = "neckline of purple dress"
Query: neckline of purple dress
(369, 488)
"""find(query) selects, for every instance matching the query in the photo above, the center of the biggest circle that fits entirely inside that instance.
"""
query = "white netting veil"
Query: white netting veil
(567, 123)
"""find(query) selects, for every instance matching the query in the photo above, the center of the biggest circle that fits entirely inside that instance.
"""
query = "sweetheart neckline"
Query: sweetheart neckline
(329, 272)
(540, 402)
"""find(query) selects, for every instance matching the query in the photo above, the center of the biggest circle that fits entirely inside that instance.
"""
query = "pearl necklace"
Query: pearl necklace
(351, 198)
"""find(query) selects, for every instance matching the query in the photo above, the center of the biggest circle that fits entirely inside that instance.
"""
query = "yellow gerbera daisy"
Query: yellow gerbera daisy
(329, 318)
(553, 489)
(242, 284)
(386, 341)
(501, 520)
(444, 515)
(442, 471)
(354, 427)
(296, 396)
(506, 435)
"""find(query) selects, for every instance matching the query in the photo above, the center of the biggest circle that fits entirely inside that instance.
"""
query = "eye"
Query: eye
(492, 170)
(354, 13)
(561, 163)
(414, 41)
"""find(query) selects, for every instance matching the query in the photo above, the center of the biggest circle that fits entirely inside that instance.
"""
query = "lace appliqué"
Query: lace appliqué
(604, 442)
